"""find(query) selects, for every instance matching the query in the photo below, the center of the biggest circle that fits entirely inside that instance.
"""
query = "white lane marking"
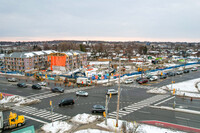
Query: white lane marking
(35, 119)
(144, 112)
(163, 101)
(182, 118)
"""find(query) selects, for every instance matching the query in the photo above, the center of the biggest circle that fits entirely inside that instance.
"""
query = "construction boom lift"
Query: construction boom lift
(13, 121)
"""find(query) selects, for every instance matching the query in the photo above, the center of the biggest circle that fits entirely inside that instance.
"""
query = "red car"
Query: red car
(143, 81)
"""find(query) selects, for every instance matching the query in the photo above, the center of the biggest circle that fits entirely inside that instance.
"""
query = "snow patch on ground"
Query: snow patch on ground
(85, 118)
(140, 128)
(18, 100)
(186, 86)
(157, 91)
(92, 131)
(56, 127)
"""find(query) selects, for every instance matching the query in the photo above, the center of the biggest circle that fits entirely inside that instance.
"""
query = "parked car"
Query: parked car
(112, 91)
(36, 86)
(22, 85)
(81, 93)
(171, 74)
(149, 76)
(179, 72)
(68, 101)
(12, 80)
(57, 89)
(164, 76)
(138, 79)
(128, 81)
(143, 81)
(42, 83)
(194, 69)
(98, 109)
(153, 78)
(186, 71)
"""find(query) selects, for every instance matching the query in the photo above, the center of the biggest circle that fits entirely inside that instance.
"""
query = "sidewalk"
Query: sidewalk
(172, 126)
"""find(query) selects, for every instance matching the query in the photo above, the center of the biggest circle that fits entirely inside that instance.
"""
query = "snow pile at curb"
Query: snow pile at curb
(92, 131)
(187, 86)
(157, 91)
(131, 127)
(85, 118)
(18, 100)
(56, 127)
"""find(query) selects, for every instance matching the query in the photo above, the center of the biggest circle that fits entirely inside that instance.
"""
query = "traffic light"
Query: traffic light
(173, 82)
(50, 103)
(174, 91)
(161, 73)
(110, 95)
(104, 114)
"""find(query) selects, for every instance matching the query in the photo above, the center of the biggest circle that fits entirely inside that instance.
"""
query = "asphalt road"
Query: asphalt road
(130, 94)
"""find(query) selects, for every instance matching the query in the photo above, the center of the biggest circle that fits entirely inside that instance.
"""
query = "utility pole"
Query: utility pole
(106, 109)
(117, 117)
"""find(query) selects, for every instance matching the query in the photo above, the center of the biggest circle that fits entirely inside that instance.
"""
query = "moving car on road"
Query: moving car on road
(194, 69)
(186, 71)
(22, 85)
(81, 93)
(98, 109)
(38, 87)
(68, 101)
(12, 80)
(179, 72)
(128, 81)
(171, 74)
(57, 89)
(138, 79)
(142, 81)
(112, 91)
(149, 76)
(42, 83)
(164, 76)
(153, 78)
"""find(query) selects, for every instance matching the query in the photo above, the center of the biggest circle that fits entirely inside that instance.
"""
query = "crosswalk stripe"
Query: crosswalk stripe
(136, 106)
(45, 114)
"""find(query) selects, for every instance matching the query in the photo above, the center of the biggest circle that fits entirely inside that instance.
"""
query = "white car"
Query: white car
(12, 80)
(112, 91)
(153, 78)
(42, 83)
(194, 69)
(128, 81)
(81, 93)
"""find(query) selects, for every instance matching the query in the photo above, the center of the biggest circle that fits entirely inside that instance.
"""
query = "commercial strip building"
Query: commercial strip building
(29, 61)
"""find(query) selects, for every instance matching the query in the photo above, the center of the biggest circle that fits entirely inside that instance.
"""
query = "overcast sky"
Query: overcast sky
(140, 20)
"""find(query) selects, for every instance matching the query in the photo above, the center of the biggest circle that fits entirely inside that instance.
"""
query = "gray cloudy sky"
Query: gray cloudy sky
(150, 20)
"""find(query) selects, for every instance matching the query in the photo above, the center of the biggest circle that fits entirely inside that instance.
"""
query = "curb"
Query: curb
(172, 126)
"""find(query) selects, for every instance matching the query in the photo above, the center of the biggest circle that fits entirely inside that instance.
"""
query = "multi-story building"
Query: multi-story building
(27, 61)
(67, 61)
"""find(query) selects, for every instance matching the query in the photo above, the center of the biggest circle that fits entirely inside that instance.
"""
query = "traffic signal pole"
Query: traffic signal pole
(117, 117)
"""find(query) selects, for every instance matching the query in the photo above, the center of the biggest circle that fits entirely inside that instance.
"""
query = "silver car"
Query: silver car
(81, 93)
(12, 80)
(42, 83)
(112, 91)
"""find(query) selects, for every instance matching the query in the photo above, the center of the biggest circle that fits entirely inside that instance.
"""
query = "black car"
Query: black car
(98, 109)
(38, 87)
(149, 76)
(138, 79)
(23, 85)
(186, 71)
(57, 89)
(64, 102)
(171, 74)
(164, 76)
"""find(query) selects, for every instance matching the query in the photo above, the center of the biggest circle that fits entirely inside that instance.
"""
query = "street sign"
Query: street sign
(29, 129)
